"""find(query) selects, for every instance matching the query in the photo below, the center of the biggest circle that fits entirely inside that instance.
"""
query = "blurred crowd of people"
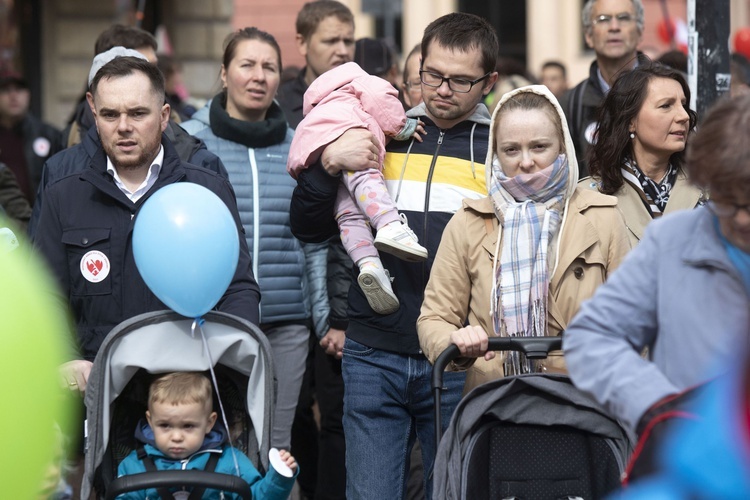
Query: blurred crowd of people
(474, 198)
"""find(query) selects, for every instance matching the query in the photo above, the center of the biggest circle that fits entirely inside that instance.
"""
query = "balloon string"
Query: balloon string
(198, 323)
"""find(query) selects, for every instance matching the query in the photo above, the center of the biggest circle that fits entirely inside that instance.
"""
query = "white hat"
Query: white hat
(113, 53)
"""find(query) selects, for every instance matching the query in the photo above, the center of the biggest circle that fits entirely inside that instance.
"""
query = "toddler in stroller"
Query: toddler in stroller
(180, 433)
(237, 355)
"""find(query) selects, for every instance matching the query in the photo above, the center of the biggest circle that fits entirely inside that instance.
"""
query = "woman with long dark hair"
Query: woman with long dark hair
(639, 151)
(684, 292)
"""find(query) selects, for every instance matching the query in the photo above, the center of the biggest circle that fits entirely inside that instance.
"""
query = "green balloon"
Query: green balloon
(32, 331)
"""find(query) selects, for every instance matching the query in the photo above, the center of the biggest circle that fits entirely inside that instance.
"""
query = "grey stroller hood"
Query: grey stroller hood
(534, 399)
(161, 342)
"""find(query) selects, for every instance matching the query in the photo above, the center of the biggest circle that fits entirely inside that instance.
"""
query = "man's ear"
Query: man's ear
(489, 83)
(301, 44)
(165, 113)
(90, 100)
(588, 38)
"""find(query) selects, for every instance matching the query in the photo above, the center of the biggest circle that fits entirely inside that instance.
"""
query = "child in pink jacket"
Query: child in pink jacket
(347, 97)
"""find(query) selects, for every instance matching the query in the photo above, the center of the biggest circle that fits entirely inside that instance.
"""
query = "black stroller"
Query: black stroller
(531, 436)
(161, 342)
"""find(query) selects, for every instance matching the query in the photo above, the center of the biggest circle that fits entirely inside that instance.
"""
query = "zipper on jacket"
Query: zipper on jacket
(429, 182)
(256, 219)
(427, 199)
(185, 461)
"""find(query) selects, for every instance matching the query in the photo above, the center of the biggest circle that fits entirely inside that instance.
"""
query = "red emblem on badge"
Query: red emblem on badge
(95, 266)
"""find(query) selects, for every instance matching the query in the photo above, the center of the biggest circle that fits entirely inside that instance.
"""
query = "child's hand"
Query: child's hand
(417, 135)
(288, 459)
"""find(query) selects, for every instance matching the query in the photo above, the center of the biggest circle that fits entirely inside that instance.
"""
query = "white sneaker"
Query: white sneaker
(399, 240)
(8, 240)
(375, 282)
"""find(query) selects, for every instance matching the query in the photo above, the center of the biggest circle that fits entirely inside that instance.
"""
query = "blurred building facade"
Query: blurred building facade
(51, 41)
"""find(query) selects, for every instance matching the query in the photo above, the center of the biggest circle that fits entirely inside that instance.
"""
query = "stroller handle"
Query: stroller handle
(171, 478)
(532, 347)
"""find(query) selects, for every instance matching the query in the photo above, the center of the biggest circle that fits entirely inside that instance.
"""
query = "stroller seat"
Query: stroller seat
(537, 462)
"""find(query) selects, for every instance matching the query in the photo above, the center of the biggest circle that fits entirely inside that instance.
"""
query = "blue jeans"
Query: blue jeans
(387, 405)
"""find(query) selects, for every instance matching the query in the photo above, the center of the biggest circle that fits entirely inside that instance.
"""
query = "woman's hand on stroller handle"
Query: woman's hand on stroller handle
(472, 342)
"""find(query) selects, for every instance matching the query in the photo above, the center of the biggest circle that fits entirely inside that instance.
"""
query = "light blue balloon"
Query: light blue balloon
(186, 247)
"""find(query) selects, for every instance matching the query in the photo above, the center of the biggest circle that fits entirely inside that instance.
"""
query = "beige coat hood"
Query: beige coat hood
(569, 151)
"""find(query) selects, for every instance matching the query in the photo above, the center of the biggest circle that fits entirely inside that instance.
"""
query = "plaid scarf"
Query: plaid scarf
(531, 207)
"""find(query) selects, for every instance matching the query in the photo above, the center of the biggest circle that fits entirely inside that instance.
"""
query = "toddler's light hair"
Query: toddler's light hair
(180, 388)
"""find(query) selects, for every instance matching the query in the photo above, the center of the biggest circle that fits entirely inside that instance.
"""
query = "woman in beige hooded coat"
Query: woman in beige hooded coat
(520, 261)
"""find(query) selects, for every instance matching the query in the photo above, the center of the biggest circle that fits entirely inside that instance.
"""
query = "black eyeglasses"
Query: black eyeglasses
(726, 210)
(459, 85)
(623, 18)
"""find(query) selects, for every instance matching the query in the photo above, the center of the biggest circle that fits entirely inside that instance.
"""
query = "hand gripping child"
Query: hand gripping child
(342, 98)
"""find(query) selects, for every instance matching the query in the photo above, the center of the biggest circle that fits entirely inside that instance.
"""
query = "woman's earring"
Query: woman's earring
(632, 135)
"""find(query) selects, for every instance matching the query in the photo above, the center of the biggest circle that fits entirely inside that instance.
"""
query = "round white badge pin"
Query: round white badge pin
(590, 132)
(94, 266)
(41, 146)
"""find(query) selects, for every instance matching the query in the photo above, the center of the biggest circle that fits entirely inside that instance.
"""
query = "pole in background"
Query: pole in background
(139, 13)
(388, 11)
(708, 52)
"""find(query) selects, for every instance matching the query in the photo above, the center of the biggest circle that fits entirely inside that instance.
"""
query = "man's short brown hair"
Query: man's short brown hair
(313, 13)
(129, 37)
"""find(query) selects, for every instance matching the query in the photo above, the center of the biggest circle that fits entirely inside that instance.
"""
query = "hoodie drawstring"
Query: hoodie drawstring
(403, 171)
(471, 149)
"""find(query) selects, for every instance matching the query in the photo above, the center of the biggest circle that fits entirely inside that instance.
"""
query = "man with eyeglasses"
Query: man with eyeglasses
(613, 29)
(387, 399)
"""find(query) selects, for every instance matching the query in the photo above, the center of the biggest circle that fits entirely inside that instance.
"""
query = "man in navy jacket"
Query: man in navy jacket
(92, 212)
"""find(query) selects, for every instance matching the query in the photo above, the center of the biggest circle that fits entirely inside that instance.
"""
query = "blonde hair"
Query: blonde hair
(181, 387)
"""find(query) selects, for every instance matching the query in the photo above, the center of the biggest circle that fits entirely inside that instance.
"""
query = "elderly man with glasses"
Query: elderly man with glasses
(613, 29)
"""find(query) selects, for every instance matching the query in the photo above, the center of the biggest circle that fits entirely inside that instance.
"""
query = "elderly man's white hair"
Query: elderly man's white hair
(588, 23)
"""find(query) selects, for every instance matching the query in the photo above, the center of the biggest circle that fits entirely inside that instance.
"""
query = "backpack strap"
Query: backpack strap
(213, 459)
(148, 463)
